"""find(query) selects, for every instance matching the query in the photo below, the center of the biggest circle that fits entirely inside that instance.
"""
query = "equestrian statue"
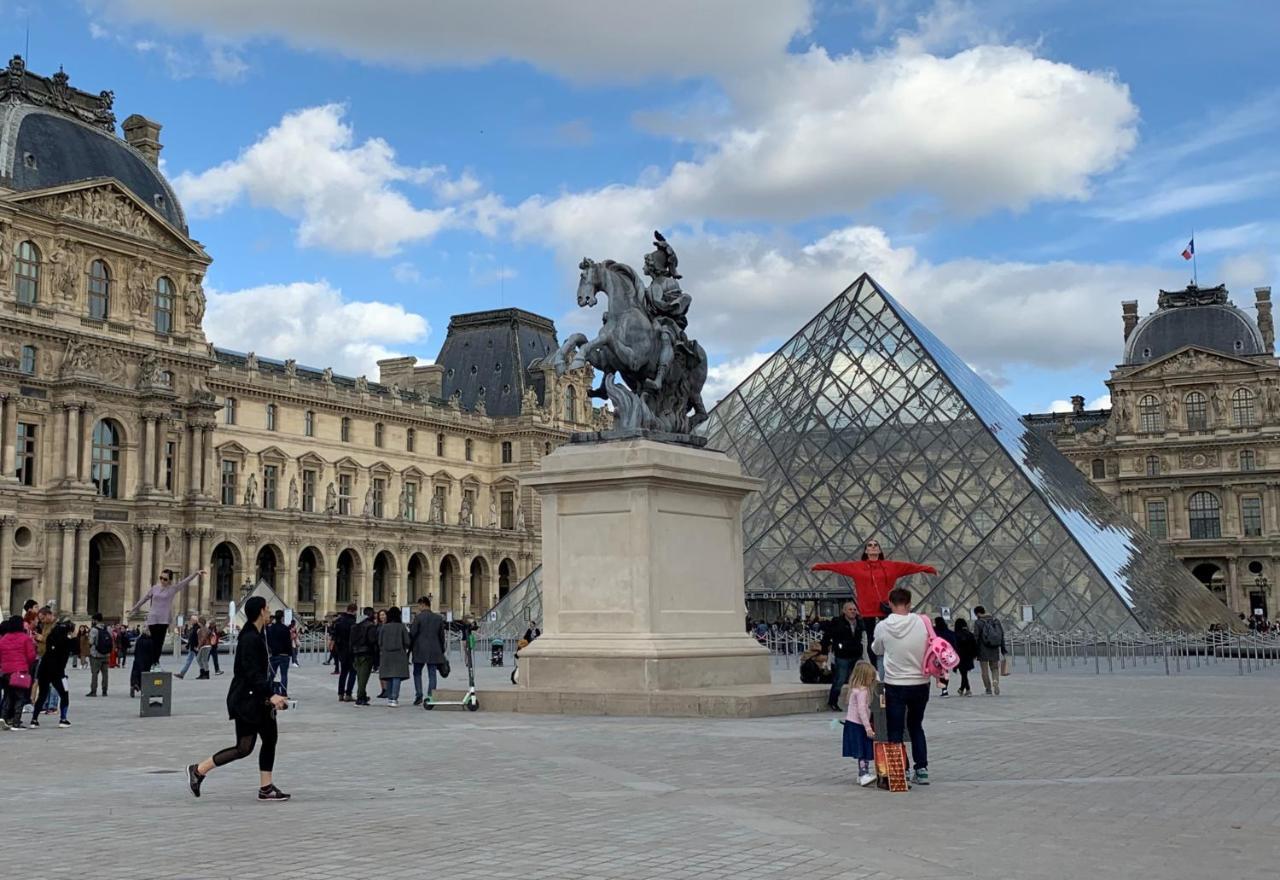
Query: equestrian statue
(643, 340)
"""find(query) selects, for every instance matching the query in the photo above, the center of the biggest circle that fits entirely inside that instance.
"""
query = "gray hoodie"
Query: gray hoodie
(901, 640)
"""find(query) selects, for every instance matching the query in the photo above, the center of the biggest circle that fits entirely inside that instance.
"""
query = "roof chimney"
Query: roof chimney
(1129, 308)
(144, 136)
(1264, 319)
(1077, 404)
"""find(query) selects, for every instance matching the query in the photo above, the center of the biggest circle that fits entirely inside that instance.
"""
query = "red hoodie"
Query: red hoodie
(873, 579)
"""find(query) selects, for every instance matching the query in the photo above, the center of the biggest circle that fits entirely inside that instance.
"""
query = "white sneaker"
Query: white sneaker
(393, 704)
(866, 779)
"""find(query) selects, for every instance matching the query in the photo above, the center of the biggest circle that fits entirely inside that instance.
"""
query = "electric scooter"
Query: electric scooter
(469, 699)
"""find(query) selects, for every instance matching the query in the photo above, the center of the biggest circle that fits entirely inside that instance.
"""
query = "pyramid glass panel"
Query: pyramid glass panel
(866, 425)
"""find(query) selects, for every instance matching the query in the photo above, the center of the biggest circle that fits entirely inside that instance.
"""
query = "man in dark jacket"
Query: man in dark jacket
(842, 640)
(341, 635)
(364, 651)
(279, 647)
(989, 635)
(427, 635)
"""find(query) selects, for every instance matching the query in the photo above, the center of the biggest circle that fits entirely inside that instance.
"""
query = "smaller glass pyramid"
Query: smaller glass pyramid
(864, 424)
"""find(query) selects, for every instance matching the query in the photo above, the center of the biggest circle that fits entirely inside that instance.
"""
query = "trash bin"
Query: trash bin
(496, 649)
(157, 694)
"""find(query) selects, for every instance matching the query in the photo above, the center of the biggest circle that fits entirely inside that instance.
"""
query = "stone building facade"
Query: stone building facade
(130, 444)
(1191, 445)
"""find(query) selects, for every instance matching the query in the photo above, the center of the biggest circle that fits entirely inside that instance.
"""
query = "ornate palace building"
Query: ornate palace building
(130, 444)
(1191, 445)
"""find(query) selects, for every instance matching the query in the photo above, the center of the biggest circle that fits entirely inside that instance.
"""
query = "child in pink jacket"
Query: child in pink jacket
(859, 734)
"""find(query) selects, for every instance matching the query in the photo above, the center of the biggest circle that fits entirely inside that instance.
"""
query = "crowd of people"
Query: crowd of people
(380, 642)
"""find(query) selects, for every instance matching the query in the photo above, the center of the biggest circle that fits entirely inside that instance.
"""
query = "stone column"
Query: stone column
(202, 561)
(67, 580)
(162, 435)
(9, 431)
(146, 448)
(146, 558)
(73, 443)
(364, 590)
(208, 475)
(1234, 597)
(191, 560)
(7, 524)
(82, 568)
(327, 600)
(86, 445)
(287, 575)
(193, 460)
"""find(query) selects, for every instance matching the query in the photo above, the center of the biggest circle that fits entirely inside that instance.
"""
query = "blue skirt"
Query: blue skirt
(856, 742)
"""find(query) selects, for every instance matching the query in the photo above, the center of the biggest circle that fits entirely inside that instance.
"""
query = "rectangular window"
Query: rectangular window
(411, 502)
(1251, 517)
(1099, 469)
(270, 477)
(379, 494)
(229, 411)
(506, 452)
(507, 510)
(470, 450)
(346, 430)
(228, 481)
(1247, 460)
(170, 460)
(344, 494)
(408, 440)
(309, 491)
(1153, 466)
(439, 446)
(309, 424)
(271, 416)
(29, 360)
(1157, 519)
(26, 453)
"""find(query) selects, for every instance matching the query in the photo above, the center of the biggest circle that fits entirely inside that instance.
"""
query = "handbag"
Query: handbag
(1006, 668)
(939, 655)
(20, 680)
(444, 668)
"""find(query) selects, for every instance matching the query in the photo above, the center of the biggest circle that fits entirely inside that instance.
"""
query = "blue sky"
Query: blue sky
(1010, 170)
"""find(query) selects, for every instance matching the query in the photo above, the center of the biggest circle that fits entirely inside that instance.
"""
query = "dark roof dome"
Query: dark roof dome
(52, 134)
(1202, 317)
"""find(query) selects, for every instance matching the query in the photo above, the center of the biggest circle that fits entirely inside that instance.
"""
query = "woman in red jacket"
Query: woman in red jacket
(873, 577)
(17, 656)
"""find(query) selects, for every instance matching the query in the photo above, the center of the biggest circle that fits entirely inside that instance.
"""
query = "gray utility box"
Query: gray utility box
(157, 694)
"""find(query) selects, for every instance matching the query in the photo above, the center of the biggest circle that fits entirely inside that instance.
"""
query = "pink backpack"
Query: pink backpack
(939, 657)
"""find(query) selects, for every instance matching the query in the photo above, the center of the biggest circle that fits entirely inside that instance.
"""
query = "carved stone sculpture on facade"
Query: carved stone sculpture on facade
(149, 371)
(330, 499)
(466, 516)
(643, 340)
(362, 385)
(251, 362)
(520, 527)
(1220, 404)
(493, 515)
(529, 401)
(137, 288)
(402, 504)
(293, 494)
(437, 509)
(194, 305)
(251, 491)
(481, 409)
(368, 502)
(291, 368)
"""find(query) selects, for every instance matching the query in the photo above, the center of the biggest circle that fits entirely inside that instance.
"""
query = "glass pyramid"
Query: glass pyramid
(864, 424)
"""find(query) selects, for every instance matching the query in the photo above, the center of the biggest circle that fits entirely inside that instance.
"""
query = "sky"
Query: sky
(1010, 171)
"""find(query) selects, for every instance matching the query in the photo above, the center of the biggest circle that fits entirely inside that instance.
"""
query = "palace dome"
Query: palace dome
(1200, 317)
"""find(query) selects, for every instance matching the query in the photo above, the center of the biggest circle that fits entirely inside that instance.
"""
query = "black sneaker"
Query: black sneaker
(64, 723)
(194, 779)
(271, 793)
(417, 701)
(35, 722)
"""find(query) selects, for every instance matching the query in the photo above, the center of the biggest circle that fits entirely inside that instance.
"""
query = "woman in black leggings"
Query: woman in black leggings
(252, 705)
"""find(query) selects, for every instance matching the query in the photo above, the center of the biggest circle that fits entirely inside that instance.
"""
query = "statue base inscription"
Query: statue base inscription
(642, 571)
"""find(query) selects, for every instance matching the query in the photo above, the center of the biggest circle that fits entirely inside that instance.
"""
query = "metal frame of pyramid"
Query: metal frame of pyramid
(865, 424)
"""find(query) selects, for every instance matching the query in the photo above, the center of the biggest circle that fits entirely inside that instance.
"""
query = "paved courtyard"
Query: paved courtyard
(1068, 774)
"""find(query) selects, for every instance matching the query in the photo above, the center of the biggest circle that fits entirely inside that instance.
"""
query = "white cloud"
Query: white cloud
(313, 323)
(1179, 199)
(724, 377)
(615, 40)
(309, 167)
(1064, 406)
(406, 273)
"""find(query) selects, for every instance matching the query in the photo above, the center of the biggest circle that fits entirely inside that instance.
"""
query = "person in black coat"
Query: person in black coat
(252, 705)
(52, 668)
(967, 648)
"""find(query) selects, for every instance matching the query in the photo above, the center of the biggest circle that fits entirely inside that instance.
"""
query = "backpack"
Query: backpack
(102, 641)
(992, 633)
(940, 656)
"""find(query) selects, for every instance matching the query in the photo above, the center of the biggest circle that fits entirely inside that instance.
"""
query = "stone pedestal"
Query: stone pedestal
(642, 572)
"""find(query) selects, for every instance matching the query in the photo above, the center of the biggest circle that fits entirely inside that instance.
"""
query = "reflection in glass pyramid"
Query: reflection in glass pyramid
(864, 424)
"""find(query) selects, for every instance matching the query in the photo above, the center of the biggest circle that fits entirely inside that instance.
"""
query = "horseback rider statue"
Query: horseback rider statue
(643, 340)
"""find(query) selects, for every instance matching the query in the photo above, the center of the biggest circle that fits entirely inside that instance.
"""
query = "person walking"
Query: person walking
(280, 648)
(203, 648)
(80, 649)
(842, 640)
(295, 640)
(252, 705)
(215, 639)
(967, 650)
(191, 640)
(428, 638)
(393, 655)
(141, 662)
(364, 647)
(859, 733)
(377, 634)
(991, 647)
(53, 668)
(160, 614)
(873, 578)
(17, 657)
(100, 646)
(342, 655)
(901, 640)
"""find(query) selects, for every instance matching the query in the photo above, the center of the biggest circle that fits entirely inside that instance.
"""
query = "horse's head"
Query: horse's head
(588, 283)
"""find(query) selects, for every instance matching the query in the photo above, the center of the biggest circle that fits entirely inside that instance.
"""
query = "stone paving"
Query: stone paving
(1124, 775)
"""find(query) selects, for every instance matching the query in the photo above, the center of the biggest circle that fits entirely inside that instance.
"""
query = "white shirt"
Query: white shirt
(901, 639)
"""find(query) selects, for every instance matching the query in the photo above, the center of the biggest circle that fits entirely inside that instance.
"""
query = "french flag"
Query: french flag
(1190, 250)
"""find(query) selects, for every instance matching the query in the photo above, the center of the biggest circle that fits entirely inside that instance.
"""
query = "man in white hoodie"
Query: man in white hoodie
(901, 639)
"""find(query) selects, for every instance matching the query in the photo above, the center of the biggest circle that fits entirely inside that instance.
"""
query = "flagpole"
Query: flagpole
(1195, 272)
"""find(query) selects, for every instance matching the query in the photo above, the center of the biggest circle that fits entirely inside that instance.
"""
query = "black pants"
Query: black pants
(964, 681)
(346, 674)
(905, 703)
(246, 734)
(14, 699)
(867, 625)
(158, 633)
(52, 683)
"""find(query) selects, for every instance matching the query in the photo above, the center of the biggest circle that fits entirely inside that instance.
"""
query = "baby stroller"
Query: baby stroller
(496, 650)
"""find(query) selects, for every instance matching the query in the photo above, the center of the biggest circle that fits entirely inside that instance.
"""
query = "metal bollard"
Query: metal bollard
(1110, 663)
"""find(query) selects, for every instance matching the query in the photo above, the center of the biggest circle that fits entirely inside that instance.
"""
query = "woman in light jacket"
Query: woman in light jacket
(393, 654)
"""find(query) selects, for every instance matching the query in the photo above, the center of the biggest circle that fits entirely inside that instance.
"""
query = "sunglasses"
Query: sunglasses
(873, 544)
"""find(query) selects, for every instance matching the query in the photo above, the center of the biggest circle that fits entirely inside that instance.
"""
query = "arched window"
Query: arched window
(409, 438)
(26, 273)
(99, 290)
(1242, 413)
(271, 416)
(1204, 513)
(1149, 414)
(105, 465)
(1153, 465)
(570, 404)
(164, 305)
(1197, 412)
(377, 434)
(346, 430)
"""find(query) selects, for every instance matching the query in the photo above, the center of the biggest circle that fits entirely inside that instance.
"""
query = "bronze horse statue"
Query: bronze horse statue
(630, 344)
